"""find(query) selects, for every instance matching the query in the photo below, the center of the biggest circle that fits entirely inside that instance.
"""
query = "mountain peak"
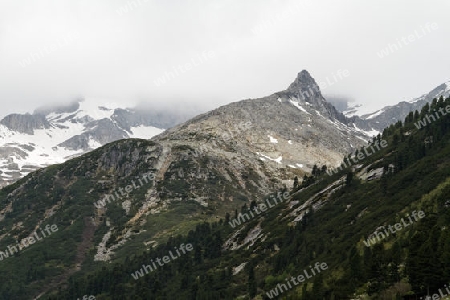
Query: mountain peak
(306, 89)
(303, 82)
(304, 74)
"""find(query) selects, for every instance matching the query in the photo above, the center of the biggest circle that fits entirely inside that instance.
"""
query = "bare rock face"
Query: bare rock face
(292, 129)
(101, 131)
(305, 87)
(25, 123)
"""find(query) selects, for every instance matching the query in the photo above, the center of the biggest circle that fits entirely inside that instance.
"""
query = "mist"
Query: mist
(203, 54)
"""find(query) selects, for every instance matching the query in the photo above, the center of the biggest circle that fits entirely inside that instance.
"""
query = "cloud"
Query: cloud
(259, 47)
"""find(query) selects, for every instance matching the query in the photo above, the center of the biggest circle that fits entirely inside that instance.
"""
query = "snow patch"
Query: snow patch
(264, 157)
(296, 104)
(371, 116)
(145, 132)
(370, 133)
(273, 140)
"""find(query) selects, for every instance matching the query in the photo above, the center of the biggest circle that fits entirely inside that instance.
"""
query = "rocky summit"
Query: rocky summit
(295, 128)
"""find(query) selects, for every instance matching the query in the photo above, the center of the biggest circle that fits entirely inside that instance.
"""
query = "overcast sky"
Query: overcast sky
(213, 52)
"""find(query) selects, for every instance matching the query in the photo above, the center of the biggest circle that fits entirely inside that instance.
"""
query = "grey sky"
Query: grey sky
(218, 51)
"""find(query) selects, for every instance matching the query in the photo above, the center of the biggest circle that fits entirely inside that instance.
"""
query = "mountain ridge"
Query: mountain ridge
(324, 219)
(382, 118)
(56, 133)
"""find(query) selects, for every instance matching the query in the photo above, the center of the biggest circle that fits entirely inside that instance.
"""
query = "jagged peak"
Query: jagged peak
(306, 89)
(304, 83)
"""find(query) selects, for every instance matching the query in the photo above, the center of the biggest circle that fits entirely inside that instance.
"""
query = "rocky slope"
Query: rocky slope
(292, 128)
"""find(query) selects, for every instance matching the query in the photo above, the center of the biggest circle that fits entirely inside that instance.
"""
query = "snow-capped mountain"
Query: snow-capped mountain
(442, 90)
(375, 122)
(53, 135)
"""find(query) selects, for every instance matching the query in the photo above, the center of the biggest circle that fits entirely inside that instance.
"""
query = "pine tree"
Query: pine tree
(305, 292)
(356, 268)
(349, 179)
(227, 219)
(198, 259)
(315, 171)
(252, 288)
(444, 250)
(318, 288)
(396, 259)
(422, 264)
(295, 182)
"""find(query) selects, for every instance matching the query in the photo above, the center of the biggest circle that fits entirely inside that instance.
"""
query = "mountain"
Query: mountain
(377, 121)
(295, 127)
(124, 214)
(133, 194)
(351, 235)
(52, 135)
(220, 184)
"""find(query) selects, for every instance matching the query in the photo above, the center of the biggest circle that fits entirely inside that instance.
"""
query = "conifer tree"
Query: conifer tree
(252, 288)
